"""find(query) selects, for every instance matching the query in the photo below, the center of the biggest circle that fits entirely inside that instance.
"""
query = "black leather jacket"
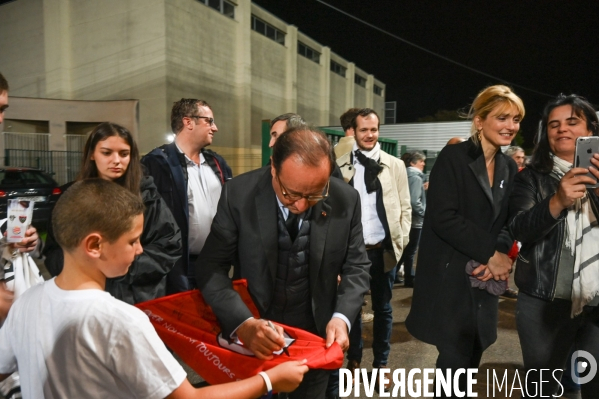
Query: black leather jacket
(542, 236)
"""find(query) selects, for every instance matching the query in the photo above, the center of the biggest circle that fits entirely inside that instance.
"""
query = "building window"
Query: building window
(308, 52)
(222, 6)
(338, 68)
(360, 80)
(378, 90)
(268, 30)
(390, 111)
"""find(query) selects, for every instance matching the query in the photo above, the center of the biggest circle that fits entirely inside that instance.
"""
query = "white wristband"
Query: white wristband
(266, 381)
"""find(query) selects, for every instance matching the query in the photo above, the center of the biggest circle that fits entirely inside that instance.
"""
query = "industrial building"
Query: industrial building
(247, 63)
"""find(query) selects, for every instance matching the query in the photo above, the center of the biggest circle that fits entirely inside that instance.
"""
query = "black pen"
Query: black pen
(273, 327)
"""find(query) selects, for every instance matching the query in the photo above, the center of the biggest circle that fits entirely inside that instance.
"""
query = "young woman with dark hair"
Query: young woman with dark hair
(110, 153)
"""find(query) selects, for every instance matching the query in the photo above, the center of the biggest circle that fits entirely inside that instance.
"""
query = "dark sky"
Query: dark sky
(546, 46)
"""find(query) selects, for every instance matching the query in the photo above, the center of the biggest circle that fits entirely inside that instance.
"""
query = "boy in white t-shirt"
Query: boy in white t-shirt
(71, 339)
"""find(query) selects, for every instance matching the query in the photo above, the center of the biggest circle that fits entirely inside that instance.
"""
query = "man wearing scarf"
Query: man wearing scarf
(382, 182)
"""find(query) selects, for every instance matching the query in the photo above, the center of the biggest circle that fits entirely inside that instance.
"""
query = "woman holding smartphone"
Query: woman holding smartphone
(554, 215)
(110, 153)
(467, 209)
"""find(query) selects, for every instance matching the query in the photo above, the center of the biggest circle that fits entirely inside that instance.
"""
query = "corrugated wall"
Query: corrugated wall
(425, 136)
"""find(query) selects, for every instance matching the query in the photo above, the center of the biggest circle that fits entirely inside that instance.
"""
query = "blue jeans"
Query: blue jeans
(356, 344)
(407, 258)
(381, 286)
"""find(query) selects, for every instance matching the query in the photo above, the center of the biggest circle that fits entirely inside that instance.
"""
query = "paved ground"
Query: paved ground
(407, 352)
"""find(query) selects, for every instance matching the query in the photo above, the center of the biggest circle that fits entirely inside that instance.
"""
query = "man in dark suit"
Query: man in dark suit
(290, 230)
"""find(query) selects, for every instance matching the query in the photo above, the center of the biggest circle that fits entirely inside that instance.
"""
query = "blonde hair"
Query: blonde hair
(488, 99)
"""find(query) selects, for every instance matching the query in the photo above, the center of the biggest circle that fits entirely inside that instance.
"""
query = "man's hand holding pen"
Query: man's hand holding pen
(261, 337)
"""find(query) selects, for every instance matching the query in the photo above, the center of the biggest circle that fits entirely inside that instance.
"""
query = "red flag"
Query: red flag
(187, 325)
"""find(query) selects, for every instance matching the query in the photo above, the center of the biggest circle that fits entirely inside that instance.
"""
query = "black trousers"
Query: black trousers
(313, 386)
(547, 336)
(451, 358)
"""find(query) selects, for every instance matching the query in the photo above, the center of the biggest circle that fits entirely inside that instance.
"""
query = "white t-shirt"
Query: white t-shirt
(84, 344)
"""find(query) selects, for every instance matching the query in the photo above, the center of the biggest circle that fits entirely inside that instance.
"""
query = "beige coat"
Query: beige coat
(396, 199)
(344, 146)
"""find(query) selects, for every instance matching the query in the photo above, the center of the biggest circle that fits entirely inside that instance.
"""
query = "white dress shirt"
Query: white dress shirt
(374, 232)
(203, 193)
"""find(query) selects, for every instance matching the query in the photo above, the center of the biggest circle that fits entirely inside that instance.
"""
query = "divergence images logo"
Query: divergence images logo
(583, 366)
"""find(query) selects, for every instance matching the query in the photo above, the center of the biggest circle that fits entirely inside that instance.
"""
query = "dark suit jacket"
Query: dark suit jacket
(464, 220)
(244, 234)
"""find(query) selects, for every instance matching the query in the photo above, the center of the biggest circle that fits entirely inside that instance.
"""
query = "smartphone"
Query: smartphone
(585, 148)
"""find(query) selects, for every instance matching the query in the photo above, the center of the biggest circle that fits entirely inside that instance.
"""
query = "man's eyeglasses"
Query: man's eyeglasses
(296, 197)
(210, 120)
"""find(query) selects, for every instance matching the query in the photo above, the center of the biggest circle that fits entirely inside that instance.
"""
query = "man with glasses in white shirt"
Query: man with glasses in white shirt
(189, 178)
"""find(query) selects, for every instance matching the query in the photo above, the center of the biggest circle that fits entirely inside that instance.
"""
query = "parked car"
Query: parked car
(31, 185)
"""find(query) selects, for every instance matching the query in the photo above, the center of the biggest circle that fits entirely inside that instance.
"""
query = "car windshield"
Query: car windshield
(23, 177)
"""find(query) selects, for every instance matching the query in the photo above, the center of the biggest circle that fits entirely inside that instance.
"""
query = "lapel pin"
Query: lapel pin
(501, 184)
(324, 214)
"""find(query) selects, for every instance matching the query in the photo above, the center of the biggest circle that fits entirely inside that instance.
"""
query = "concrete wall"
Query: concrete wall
(87, 50)
(58, 112)
(199, 66)
(313, 83)
(360, 93)
(339, 91)
(22, 54)
(55, 115)
(269, 82)
(159, 51)
(308, 90)
(378, 102)
(118, 52)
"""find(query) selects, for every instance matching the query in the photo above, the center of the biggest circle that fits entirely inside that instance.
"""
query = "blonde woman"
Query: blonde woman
(467, 209)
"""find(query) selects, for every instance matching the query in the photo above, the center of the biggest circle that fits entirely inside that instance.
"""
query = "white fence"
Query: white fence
(26, 141)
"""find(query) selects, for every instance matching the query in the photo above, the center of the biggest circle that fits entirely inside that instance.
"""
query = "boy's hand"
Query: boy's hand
(287, 376)
(29, 242)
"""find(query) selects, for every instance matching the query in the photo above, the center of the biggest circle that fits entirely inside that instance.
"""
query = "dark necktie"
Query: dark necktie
(292, 225)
